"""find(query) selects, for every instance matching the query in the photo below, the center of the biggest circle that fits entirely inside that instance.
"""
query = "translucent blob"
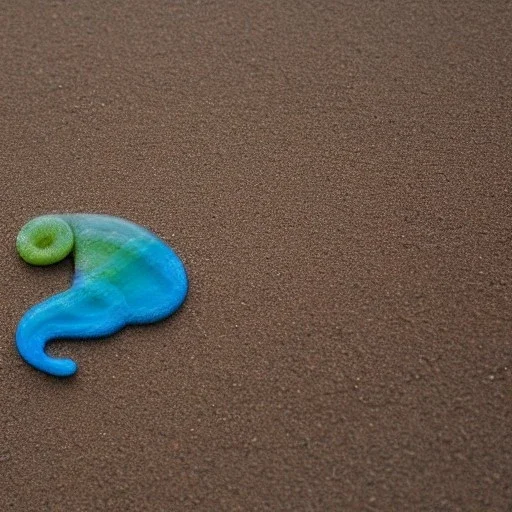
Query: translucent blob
(124, 274)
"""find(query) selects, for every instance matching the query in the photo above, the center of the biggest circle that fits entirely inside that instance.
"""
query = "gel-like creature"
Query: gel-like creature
(124, 275)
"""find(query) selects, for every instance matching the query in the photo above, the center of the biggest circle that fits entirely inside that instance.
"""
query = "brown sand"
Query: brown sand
(337, 177)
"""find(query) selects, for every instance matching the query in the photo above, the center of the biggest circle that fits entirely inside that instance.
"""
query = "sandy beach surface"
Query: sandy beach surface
(337, 177)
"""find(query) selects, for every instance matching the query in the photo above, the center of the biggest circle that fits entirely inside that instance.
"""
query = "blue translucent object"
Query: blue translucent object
(124, 274)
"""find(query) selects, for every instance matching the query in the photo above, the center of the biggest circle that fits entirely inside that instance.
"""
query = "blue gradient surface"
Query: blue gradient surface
(124, 274)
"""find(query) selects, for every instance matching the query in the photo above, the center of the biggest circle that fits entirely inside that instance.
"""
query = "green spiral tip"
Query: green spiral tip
(45, 240)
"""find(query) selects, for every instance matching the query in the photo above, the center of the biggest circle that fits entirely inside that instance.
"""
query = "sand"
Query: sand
(336, 176)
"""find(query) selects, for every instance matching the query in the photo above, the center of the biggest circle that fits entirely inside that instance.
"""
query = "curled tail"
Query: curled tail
(80, 312)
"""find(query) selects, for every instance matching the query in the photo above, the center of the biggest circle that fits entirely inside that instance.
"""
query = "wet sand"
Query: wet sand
(336, 177)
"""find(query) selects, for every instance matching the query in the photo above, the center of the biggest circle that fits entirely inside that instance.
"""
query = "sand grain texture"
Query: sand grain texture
(336, 176)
